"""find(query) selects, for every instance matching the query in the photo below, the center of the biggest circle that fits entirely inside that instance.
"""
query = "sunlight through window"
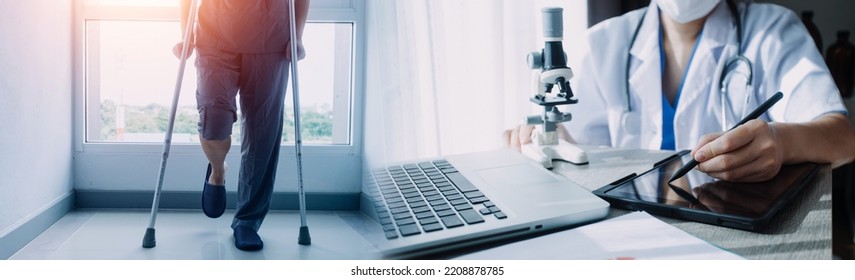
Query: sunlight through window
(130, 78)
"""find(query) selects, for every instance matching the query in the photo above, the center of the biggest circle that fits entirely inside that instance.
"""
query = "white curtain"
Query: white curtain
(448, 76)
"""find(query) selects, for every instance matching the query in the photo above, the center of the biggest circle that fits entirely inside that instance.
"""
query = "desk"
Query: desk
(802, 230)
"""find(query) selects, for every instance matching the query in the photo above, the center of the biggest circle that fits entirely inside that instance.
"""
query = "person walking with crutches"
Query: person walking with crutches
(243, 46)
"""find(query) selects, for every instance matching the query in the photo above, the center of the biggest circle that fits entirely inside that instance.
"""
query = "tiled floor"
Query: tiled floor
(189, 235)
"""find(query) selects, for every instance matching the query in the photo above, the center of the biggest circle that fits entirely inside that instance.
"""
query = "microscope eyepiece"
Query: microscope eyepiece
(553, 23)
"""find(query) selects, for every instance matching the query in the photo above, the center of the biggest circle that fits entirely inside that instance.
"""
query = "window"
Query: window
(124, 80)
(131, 72)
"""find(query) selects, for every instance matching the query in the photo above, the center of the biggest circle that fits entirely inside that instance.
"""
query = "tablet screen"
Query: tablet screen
(699, 191)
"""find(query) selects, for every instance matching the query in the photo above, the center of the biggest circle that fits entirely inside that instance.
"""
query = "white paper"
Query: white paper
(637, 235)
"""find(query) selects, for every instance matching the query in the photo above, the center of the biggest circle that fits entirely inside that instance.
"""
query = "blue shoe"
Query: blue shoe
(213, 198)
(247, 239)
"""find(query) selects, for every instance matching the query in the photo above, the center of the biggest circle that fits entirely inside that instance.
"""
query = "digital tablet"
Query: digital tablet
(699, 197)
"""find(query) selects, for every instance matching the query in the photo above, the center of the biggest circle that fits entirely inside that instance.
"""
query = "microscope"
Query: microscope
(553, 72)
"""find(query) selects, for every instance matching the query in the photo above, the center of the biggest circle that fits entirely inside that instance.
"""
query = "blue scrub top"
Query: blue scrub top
(669, 110)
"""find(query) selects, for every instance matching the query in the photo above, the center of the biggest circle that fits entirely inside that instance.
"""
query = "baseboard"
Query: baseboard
(21, 235)
(192, 200)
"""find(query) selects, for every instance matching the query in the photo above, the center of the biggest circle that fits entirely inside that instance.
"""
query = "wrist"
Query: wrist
(782, 134)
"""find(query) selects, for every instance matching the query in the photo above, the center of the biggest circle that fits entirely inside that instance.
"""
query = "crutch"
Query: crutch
(303, 238)
(148, 239)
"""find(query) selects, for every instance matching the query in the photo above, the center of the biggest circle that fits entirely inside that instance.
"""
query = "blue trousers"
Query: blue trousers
(261, 80)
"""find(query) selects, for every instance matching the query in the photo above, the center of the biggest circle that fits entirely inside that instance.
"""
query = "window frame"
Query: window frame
(90, 155)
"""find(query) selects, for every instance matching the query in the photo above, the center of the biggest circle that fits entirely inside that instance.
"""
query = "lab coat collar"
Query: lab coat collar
(704, 71)
(646, 80)
(718, 28)
(646, 43)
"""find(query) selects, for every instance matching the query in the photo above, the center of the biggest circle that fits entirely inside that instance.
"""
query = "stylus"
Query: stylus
(684, 194)
(753, 115)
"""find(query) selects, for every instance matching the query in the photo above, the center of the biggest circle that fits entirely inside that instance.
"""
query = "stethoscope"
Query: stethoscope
(738, 67)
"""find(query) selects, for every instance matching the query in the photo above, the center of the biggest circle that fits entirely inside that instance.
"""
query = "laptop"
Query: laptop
(435, 205)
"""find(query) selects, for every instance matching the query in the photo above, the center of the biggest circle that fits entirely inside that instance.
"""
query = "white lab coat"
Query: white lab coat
(784, 59)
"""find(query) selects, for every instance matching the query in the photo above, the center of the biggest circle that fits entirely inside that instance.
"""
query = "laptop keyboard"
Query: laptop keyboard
(430, 196)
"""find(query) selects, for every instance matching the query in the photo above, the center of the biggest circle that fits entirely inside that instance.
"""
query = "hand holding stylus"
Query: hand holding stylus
(749, 152)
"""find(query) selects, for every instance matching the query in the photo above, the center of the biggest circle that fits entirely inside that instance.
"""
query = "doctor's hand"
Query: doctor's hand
(517, 136)
(520, 135)
(749, 153)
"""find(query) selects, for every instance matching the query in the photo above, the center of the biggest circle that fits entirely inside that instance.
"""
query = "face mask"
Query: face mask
(684, 11)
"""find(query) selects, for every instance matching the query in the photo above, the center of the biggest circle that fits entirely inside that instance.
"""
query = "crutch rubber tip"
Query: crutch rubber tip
(148, 239)
(304, 238)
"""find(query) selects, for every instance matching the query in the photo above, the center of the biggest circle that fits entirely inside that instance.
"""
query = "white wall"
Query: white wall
(35, 108)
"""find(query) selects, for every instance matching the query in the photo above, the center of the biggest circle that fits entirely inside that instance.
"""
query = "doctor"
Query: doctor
(676, 74)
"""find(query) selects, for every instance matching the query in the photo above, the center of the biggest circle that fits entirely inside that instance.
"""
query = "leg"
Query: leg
(262, 97)
(215, 151)
(215, 98)
(218, 76)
